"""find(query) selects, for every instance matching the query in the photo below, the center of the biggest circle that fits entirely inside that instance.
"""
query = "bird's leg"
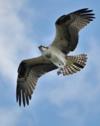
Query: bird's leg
(60, 71)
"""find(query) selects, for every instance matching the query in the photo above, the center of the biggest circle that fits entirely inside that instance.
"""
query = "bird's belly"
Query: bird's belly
(56, 57)
(57, 60)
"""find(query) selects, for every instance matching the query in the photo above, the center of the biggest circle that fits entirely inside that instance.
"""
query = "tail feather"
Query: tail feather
(74, 64)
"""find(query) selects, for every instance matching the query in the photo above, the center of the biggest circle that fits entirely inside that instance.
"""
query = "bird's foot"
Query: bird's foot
(60, 71)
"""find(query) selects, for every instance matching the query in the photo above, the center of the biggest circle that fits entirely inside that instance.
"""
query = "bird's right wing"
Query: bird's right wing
(68, 27)
(28, 73)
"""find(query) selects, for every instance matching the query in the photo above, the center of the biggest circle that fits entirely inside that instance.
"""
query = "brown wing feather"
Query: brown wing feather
(81, 18)
(68, 26)
(28, 73)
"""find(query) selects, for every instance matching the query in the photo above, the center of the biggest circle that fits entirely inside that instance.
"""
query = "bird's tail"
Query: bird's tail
(74, 64)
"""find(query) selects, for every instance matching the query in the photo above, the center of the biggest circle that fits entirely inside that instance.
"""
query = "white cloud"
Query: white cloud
(13, 37)
(9, 117)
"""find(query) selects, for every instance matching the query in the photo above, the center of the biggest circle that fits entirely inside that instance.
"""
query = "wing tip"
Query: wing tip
(86, 13)
(22, 98)
(83, 10)
(23, 103)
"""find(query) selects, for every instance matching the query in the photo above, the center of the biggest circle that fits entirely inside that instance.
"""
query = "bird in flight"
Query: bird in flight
(54, 56)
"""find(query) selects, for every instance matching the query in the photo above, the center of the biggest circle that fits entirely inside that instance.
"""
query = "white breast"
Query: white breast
(57, 57)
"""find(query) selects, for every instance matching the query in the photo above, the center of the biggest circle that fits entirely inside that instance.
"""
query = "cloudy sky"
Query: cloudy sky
(61, 101)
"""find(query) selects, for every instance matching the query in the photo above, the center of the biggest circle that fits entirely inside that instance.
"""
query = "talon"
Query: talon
(60, 71)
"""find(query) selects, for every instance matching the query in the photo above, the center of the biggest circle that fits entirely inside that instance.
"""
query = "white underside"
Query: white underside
(57, 57)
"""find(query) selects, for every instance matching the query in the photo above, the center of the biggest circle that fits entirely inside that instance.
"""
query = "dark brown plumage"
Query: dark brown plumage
(68, 27)
(28, 73)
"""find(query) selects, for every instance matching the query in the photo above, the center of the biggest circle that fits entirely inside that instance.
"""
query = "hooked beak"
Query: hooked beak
(40, 48)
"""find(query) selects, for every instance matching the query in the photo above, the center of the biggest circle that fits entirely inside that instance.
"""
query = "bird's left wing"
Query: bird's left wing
(28, 73)
(68, 26)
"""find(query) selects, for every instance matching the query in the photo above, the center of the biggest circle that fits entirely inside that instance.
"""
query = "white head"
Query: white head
(43, 48)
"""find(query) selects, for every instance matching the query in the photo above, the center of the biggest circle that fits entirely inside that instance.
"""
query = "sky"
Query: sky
(63, 101)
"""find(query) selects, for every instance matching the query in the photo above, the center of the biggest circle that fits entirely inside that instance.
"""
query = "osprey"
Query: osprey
(54, 56)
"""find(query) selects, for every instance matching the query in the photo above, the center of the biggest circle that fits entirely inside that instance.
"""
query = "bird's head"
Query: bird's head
(43, 48)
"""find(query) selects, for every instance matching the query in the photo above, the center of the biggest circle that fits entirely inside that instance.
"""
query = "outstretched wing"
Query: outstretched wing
(68, 26)
(28, 73)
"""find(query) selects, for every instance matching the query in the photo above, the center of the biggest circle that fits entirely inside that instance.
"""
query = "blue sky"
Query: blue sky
(71, 100)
